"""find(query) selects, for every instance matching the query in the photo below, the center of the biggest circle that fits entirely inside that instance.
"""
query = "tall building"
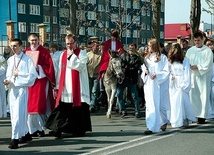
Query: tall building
(93, 17)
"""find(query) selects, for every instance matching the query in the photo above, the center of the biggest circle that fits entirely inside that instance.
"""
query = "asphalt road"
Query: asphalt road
(117, 136)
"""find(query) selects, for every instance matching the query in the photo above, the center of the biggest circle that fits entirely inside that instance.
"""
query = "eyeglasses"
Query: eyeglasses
(33, 39)
(71, 43)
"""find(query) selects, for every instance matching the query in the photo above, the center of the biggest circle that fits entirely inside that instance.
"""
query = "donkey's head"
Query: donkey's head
(115, 67)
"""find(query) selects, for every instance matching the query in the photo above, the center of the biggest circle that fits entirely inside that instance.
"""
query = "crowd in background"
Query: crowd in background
(173, 83)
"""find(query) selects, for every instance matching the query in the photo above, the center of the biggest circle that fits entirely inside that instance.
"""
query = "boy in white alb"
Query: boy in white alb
(21, 73)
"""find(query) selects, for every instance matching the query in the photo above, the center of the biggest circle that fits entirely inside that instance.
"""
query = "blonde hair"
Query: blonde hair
(155, 47)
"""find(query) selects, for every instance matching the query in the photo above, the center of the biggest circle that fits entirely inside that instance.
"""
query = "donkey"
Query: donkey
(112, 76)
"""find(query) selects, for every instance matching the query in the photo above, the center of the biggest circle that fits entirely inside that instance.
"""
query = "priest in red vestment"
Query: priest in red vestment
(40, 102)
(71, 114)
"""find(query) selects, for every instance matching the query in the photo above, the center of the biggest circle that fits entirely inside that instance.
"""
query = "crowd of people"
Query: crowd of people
(57, 90)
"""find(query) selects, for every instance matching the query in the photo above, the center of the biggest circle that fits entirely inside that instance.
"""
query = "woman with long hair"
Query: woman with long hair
(155, 76)
(182, 112)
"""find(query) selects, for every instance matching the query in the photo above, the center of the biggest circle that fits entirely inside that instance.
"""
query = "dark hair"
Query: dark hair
(176, 54)
(198, 34)
(115, 34)
(17, 40)
(46, 44)
(54, 45)
(161, 45)
(133, 44)
(185, 41)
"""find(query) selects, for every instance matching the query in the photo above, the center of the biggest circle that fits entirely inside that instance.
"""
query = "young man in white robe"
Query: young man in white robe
(182, 112)
(201, 61)
(3, 106)
(155, 74)
(21, 73)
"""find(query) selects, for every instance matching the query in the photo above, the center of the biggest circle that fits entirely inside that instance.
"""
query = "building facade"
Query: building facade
(133, 19)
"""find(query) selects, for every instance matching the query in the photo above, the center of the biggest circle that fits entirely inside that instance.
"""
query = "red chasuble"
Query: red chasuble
(37, 98)
(75, 80)
(105, 56)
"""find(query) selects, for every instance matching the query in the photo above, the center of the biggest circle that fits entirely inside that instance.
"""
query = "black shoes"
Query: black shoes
(41, 133)
(79, 134)
(124, 114)
(148, 132)
(201, 121)
(25, 138)
(137, 115)
(163, 127)
(55, 134)
(14, 144)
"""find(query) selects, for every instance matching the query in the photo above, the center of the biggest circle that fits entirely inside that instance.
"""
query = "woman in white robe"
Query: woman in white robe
(156, 78)
(180, 84)
(3, 107)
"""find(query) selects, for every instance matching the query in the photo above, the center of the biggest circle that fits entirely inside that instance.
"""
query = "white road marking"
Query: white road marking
(123, 145)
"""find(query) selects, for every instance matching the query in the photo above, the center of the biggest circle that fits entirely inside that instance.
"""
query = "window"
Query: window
(91, 31)
(136, 5)
(54, 20)
(148, 27)
(126, 18)
(136, 34)
(161, 21)
(107, 8)
(143, 26)
(34, 28)
(128, 4)
(162, 6)
(137, 19)
(92, 1)
(143, 40)
(34, 9)
(22, 27)
(46, 2)
(80, 15)
(100, 25)
(64, 13)
(145, 12)
(63, 30)
(114, 17)
(100, 7)
(101, 38)
(114, 3)
(126, 33)
(161, 34)
(24, 44)
(82, 30)
(54, 3)
(91, 15)
(54, 37)
(21, 8)
(107, 24)
(46, 19)
(48, 36)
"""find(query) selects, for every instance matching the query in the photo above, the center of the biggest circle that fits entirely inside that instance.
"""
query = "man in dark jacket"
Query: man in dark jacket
(131, 65)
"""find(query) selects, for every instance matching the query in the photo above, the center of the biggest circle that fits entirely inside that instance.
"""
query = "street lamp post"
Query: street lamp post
(211, 13)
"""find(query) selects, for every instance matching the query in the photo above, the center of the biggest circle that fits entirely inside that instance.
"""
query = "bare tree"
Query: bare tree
(195, 17)
(156, 7)
(73, 16)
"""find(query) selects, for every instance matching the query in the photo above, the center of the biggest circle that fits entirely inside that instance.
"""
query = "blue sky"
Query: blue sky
(178, 11)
